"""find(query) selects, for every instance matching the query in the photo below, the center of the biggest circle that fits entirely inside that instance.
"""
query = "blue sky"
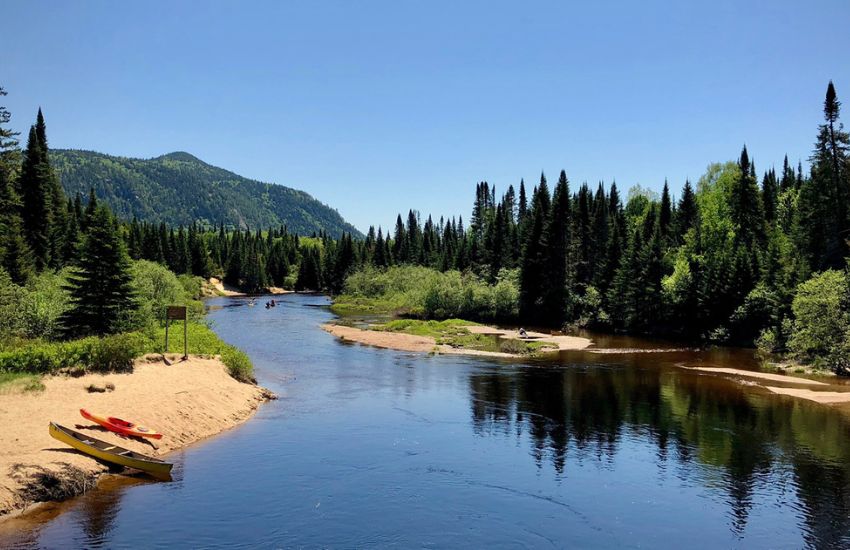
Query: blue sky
(377, 107)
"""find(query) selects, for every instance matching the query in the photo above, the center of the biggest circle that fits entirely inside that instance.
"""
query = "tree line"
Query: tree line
(723, 261)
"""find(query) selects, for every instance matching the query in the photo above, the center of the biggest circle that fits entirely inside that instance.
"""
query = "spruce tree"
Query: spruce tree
(532, 269)
(100, 291)
(556, 287)
(15, 254)
(666, 214)
(10, 153)
(36, 194)
(686, 212)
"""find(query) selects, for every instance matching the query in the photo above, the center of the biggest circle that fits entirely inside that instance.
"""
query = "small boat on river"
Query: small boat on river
(113, 454)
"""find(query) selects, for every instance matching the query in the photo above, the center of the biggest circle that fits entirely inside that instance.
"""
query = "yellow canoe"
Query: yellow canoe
(111, 453)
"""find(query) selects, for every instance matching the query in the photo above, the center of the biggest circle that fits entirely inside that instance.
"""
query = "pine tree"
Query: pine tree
(36, 194)
(15, 255)
(829, 189)
(686, 212)
(532, 269)
(745, 205)
(556, 288)
(10, 153)
(770, 195)
(666, 214)
(100, 290)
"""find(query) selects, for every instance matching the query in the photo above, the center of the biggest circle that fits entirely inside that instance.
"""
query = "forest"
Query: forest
(734, 258)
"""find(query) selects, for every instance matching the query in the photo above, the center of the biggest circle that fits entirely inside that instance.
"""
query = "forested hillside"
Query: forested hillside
(180, 189)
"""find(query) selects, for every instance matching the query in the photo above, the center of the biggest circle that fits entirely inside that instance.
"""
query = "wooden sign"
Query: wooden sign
(176, 313)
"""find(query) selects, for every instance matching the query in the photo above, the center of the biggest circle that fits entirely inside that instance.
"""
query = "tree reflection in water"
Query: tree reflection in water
(573, 412)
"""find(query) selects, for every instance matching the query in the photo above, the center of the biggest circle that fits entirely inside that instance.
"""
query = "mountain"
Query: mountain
(179, 188)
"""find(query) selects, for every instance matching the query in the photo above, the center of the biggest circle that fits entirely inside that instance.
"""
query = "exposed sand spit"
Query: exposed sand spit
(409, 342)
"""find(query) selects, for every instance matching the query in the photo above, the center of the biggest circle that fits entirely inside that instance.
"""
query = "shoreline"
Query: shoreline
(401, 341)
(816, 391)
(188, 401)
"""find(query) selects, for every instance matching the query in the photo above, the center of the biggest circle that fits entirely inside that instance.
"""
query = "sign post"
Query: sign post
(177, 313)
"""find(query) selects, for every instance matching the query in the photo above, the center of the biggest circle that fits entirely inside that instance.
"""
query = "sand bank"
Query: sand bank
(222, 289)
(824, 397)
(761, 375)
(186, 401)
(558, 341)
(426, 344)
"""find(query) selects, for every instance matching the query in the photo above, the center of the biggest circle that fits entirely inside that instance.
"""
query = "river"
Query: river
(370, 447)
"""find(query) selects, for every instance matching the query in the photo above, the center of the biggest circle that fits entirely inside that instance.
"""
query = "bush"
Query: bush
(11, 297)
(821, 321)
(156, 287)
(108, 354)
(43, 304)
(424, 292)
(238, 364)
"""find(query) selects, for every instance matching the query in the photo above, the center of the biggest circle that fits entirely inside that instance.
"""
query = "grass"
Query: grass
(452, 332)
(17, 382)
(20, 365)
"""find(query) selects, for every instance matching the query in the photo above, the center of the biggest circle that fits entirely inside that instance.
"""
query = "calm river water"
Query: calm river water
(371, 447)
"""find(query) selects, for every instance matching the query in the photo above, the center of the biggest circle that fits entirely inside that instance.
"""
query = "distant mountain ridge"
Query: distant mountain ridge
(179, 188)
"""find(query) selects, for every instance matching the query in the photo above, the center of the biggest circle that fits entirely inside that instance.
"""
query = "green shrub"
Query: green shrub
(108, 354)
(238, 364)
(424, 292)
(821, 321)
(43, 305)
(11, 297)
(156, 287)
(192, 286)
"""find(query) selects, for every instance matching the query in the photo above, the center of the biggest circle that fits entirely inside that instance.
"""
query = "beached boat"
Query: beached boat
(108, 452)
(123, 427)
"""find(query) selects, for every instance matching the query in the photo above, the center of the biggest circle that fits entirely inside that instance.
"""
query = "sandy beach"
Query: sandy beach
(186, 401)
(426, 344)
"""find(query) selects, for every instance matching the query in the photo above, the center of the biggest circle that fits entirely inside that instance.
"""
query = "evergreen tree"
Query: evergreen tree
(666, 214)
(15, 254)
(829, 190)
(556, 288)
(745, 205)
(10, 153)
(686, 212)
(36, 194)
(532, 269)
(100, 290)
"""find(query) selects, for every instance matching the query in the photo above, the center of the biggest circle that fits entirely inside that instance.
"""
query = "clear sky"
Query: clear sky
(377, 107)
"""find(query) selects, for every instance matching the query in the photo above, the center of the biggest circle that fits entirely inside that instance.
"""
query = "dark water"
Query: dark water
(372, 447)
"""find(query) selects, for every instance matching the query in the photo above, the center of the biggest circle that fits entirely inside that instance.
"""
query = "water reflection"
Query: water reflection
(373, 447)
(752, 440)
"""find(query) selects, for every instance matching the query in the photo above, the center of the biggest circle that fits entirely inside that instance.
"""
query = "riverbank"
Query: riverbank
(215, 287)
(185, 400)
(455, 338)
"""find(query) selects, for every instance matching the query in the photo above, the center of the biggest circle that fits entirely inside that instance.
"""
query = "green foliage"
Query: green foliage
(428, 293)
(108, 354)
(44, 302)
(180, 189)
(822, 320)
(238, 364)
(102, 299)
(155, 287)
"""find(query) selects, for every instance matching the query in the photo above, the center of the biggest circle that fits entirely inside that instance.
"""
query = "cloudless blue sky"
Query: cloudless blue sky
(377, 107)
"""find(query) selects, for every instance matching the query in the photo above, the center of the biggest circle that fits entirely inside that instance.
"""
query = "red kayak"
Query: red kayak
(120, 426)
